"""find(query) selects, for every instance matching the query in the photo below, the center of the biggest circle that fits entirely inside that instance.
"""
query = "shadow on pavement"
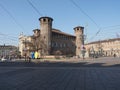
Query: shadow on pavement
(55, 64)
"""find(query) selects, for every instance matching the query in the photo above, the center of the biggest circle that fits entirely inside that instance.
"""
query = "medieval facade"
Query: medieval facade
(49, 41)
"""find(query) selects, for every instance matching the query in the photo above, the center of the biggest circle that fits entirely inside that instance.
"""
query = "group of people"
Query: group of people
(34, 55)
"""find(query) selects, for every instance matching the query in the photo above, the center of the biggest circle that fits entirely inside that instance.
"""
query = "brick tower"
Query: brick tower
(79, 32)
(45, 33)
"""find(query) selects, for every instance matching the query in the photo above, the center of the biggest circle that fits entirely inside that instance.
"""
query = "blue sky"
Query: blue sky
(101, 18)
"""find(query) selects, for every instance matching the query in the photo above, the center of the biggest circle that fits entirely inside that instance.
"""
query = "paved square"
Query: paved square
(59, 76)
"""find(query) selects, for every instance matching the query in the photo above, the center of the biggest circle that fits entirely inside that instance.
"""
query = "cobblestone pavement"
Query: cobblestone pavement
(60, 76)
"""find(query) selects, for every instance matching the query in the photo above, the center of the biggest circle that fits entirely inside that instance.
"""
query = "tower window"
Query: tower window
(44, 19)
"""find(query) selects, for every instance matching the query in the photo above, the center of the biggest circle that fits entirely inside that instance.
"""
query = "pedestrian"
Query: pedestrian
(32, 55)
(114, 55)
(36, 55)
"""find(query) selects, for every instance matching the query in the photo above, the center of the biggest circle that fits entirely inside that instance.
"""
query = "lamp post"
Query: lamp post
(83, 49)
(25, 53)
(111, 54)
(92, 52)
(25, 49)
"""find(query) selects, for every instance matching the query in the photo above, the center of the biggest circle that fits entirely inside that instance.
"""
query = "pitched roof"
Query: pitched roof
(60, 32)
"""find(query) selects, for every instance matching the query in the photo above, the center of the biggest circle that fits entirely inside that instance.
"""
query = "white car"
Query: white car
(3, 59)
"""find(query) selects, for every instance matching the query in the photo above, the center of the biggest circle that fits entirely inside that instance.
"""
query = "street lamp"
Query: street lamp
(82, 38)
(92, 52)
(111, 51)
(25, 52)
(83, 49)
(25, 48)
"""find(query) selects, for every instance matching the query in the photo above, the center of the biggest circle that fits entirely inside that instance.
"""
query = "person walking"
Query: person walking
(36, 55)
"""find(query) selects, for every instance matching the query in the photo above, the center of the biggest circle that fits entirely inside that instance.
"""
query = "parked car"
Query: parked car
(3, 59)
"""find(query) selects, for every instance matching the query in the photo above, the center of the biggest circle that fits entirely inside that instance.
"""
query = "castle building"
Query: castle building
(49, 41)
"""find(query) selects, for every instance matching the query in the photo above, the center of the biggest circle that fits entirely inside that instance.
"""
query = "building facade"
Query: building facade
(7, 51)
(50, 41)
(108, 47)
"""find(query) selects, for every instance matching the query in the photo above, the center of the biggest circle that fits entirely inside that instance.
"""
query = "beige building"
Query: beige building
(26, 44)
(108, 47)
(7, 50)
(49, 41)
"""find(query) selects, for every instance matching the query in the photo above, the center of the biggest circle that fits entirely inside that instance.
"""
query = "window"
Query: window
(52, 44)
(44, 19)
(61, 45)
(64, 45)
